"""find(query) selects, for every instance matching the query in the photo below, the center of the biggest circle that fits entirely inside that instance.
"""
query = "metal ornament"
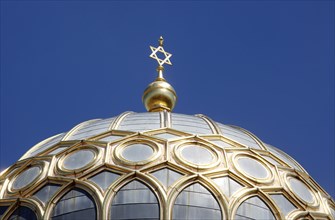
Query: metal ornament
(160, 49)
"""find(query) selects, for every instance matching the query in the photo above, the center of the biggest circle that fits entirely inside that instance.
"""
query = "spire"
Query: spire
(159, 95)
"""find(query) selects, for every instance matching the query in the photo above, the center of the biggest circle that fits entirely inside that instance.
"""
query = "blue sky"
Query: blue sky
(265, 66)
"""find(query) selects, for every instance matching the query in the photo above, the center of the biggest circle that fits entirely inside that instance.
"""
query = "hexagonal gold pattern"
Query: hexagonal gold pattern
(228, 165)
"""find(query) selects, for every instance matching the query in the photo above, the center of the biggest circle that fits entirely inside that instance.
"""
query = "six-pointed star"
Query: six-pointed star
(160, 61)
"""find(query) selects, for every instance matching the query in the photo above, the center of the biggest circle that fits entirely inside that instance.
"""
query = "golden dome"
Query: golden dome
(159, 165)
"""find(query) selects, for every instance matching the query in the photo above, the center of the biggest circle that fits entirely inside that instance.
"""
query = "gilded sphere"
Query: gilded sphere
(159, 96)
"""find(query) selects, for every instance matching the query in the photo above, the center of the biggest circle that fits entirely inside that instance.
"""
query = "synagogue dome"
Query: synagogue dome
(159, 165)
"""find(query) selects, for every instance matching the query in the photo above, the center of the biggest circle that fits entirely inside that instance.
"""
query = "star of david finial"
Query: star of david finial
(160, 95)
(160, 49)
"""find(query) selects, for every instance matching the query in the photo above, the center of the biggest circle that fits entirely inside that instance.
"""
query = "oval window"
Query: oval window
(78, 159)
(137, 152)
(26, 177)
(197, 155)
(252, 167)
(301, 190)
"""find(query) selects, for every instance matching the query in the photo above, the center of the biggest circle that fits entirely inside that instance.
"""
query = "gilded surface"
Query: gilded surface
(167, 145)
(159, 95)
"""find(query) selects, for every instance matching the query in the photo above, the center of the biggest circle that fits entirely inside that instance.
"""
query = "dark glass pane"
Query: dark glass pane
(254, 208)
(135, 201)
(227, 185)
(196, 202)
(3, 210)
(284, 204)
(76, 204)
(23, 213)
(104, 179)
(166, 176)
(46, 192)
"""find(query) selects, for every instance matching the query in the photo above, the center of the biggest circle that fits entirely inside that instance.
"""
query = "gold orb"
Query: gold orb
(159, 96)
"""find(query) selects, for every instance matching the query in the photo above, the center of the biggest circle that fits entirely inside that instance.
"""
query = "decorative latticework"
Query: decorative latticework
(159, 165)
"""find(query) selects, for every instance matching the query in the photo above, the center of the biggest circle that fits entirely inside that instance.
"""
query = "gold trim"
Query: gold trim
(268, 179)
(148, 181)
(177, 150)
(117, 152)
(60, 164)
(329, 207)
(117, 121)
(31, 204)
(68, 134)
(247, 194)
(254, 137)
(204, 182)
(288, 176)
(42, 165)
(85, 186)
(213, 126)
(289, 199)
(36, 146)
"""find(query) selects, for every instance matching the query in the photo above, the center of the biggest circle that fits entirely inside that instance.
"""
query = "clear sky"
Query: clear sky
(266, 66)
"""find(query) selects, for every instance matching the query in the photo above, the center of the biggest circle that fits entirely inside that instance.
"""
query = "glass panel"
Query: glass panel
(111, 138)
(221, 143)
(270, 159)
(332, 210)
(301, 190)
(166, 135)
(252, 167)
(166, 176)
(56, 151)
(76, 204)
(137, 152)
(23, 213)
(238, 136)
(196, 202)
(227, 185)
(140, 122)
(197, 155)
(12, 172)
(46, 192)
(91, 129)
(284, 157)
(3, 210)
(49, 143)
(135, 201)
(254, 208)
(190, 124)
(78, 159)
(104, 179)
(284, 204)
(26, 177)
